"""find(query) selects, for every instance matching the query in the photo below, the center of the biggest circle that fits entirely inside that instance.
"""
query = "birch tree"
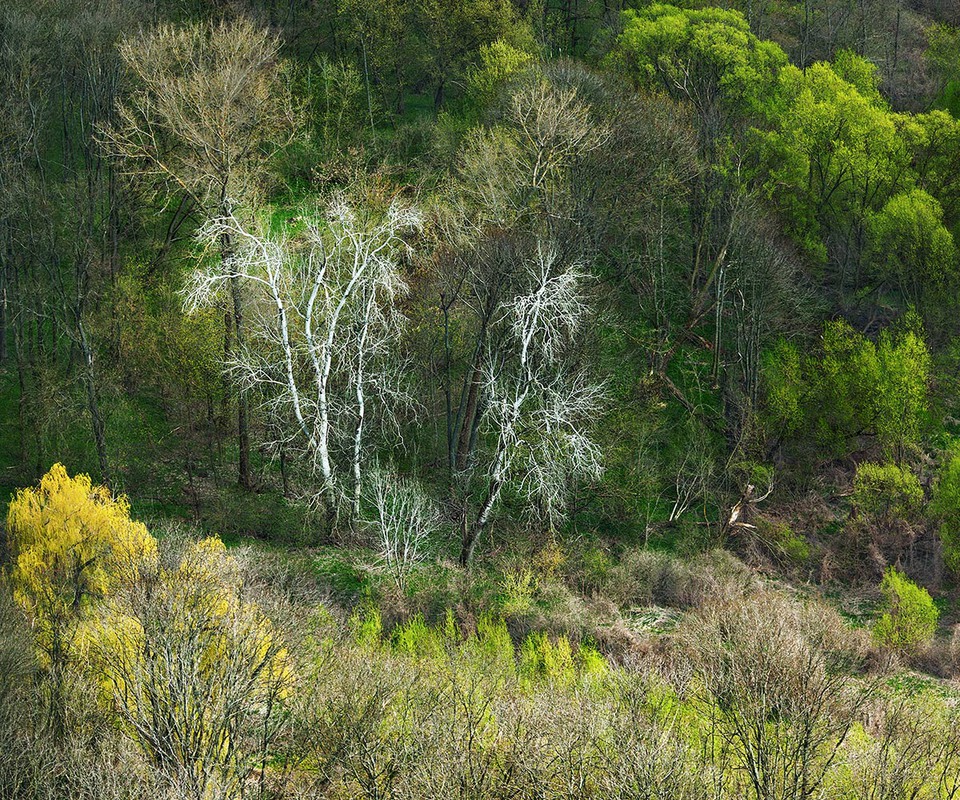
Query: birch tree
(323, 330)
(404, 519)
(537, 406)
(521, 181)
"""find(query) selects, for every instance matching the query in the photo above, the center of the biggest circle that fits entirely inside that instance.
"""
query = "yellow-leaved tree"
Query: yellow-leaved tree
(72, 544)
(195, 671)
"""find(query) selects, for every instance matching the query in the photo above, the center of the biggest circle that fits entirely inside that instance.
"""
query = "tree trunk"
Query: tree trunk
(243, 430)
(284, 475)
(472, 532)
(96, 418)
(3, 315)
(448, 389)
(22, 415)
(467, 424)
(361, 412)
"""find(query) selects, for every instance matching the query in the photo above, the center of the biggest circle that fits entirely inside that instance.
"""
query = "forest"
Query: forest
(479, 399)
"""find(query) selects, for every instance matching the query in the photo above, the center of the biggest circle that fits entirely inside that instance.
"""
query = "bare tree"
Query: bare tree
(911, 750)
(519, 181)
(209, 109)
(537, 407)
(196, 674)
(404, 519)
(776, 684)
(325, 323)
(58, 220)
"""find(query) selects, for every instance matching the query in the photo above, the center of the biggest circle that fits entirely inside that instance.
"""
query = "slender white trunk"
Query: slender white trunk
(361, 401)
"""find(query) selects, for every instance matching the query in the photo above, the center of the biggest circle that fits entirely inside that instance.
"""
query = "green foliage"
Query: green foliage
(860, 387)
(910, 247)
(779, 538)
(591, 662)
(783, 385)
(860, 73)
(902, 388)
(910, 617)
(829, 153)
(492, 643)
(500, 64)
(853, 387)
(367, 626)
(542, 659)
(945, 507)
(518, 588)
(416, 638)
(708, 56)
(336, 101)
(887, 490)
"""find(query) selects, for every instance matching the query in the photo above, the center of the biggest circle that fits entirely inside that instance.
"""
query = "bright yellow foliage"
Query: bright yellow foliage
(72, 543)
(184, 660)
(206, 589)
(189, 665)
(194, 610)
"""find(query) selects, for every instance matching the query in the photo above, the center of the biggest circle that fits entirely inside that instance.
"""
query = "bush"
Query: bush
(194, 670)
(649, 577)
(945, 507)
(404, 520)
(775, 683)
(783, 383)
(780, 540)
(886, 490)
(910, 618)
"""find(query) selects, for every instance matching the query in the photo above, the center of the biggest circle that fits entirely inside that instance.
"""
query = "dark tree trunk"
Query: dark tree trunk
(243, 429)
(471, 533)
(96, 418)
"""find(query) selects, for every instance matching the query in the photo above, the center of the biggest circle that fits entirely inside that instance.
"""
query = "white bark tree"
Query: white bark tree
(404, 518)
(324, 329)
(537, 407)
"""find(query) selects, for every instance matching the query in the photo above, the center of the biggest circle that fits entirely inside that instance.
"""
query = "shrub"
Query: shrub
(910, 617)
(783, 383)
(945, 507)
(404, 521)
(543, 659)
(367, 626)
(194, 670)
(779, 539)
(775, 684)
(649, 577)
(415, 638)
(886, 490)
(492, 644)
(518, 588)
(500, 64)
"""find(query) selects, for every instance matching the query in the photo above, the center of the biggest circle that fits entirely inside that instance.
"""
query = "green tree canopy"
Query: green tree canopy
(909, 245)
(706, 56)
